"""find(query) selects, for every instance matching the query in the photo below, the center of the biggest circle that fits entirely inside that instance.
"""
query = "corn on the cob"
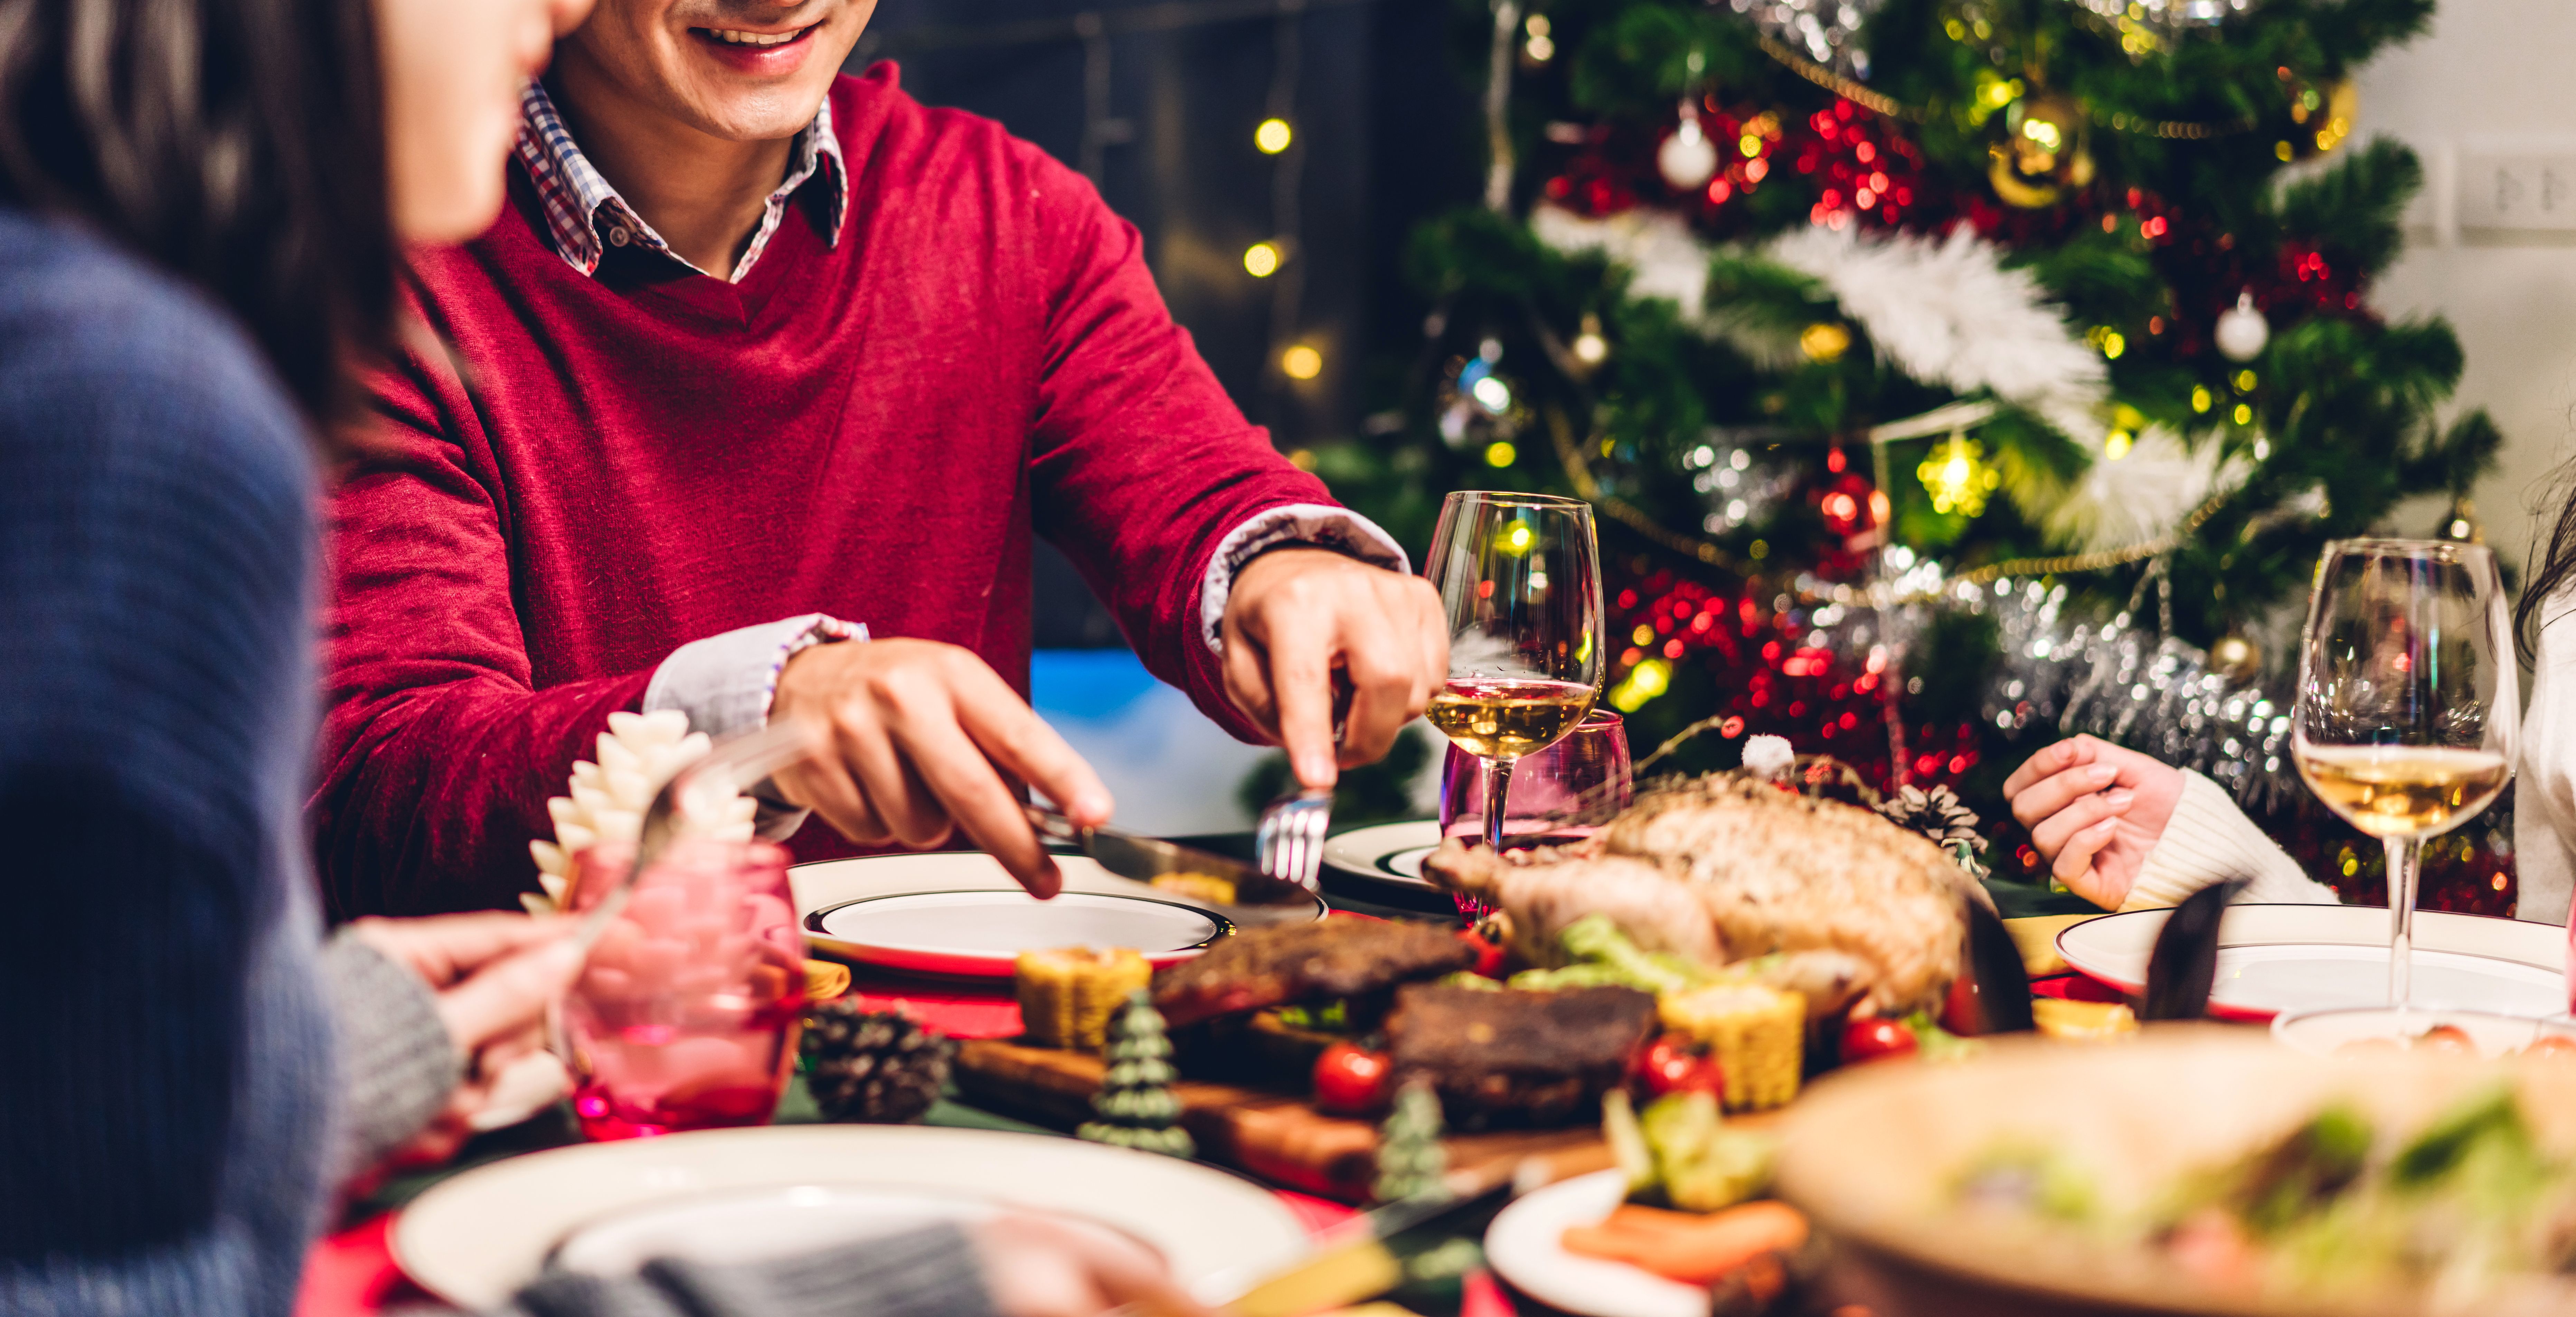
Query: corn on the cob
(1068, 994)
(1756, 1033)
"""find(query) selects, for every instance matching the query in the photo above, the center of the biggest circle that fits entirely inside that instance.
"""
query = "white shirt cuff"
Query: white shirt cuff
(1319, 524)
(2209, 839)
(725, 683)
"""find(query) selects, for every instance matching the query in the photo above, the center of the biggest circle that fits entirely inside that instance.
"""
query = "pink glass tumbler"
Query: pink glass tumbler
(1564, 793)
(684, 1017)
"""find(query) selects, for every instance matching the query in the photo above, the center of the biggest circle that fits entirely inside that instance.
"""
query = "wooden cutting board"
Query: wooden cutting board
(1275, 1136)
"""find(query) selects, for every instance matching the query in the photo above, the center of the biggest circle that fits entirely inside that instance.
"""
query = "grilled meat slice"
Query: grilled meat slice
(1516, 1057)
(1261, 967)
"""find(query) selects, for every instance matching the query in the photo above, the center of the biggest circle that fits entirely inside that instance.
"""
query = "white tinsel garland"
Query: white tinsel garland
(637, 754)
(1944, 311)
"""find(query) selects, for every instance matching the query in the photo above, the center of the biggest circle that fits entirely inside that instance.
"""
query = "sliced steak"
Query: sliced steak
(1262, 967)
(1511, 1057)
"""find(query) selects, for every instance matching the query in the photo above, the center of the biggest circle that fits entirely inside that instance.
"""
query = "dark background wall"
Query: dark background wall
(1158, 103)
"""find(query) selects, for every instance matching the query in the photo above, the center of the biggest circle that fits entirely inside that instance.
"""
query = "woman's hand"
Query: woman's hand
(1037, 1266)
(2095, 811)
(493, 976)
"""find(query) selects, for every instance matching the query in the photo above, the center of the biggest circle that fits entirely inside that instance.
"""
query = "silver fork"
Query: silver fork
(1290, 837)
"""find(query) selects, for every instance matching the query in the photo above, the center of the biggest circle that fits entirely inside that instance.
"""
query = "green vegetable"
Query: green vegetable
(1602, 956)
(1627, 1142)
(1934, 1043)
(2042, 1181)
(1701, 1165)
(2302, 1173)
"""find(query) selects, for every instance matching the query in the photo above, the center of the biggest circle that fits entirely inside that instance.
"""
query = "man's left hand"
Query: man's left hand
(1298, 616)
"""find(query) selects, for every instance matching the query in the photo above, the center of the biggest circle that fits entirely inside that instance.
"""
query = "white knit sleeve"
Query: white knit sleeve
(2209, 839)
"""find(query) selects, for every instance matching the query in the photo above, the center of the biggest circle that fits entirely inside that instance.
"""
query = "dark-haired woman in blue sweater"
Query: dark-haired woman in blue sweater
(200, 203)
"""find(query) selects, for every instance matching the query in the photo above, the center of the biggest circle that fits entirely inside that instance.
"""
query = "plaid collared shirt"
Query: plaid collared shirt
(583, 211)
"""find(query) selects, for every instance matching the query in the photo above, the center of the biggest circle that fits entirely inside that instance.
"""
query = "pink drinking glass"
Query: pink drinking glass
(1564, 793)
(684, 1017)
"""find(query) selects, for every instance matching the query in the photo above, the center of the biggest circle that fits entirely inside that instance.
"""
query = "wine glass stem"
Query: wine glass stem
(1498, 783)
(2403, 853)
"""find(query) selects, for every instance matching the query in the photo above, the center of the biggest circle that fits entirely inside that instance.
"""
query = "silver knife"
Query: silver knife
(1258, 897)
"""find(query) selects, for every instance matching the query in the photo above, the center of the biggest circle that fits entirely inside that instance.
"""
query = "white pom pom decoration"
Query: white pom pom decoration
(605, 800)
(1769, 756)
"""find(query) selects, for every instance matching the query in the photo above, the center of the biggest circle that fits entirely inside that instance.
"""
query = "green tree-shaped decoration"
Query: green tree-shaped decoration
(1410, 1160)
(1135, 1105)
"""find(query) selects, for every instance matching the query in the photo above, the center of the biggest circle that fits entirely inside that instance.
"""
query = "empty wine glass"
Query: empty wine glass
(1520, 577)
(2408, 702)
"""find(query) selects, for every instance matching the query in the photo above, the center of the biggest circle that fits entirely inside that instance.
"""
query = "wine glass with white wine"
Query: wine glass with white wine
(1520, 576)
(2408, 703)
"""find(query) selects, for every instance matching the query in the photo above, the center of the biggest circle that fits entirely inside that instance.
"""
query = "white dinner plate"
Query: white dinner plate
(2328, 1032)
(1389, 853)
(2280, 958)
(475, 1239)
(1525, 1246)
(959, 912)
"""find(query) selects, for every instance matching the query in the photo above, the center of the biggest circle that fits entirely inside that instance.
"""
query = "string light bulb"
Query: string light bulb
(1301, 362)
(1261, 259)
(1589, 346)
(1272, 136)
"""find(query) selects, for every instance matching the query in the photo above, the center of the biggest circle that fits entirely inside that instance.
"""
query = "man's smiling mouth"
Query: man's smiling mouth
(738, 37)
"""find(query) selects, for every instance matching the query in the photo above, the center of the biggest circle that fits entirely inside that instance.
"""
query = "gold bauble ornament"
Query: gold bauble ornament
(2462, 525)
(2321, 115)
(2043, 153)
(2236, 658)
(1824, 341)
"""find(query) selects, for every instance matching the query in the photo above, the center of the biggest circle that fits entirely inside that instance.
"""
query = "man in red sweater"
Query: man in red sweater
(756, 394)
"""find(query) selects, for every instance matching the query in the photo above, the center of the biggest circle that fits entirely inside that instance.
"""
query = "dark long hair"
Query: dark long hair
(2551, 568)
(238, 144)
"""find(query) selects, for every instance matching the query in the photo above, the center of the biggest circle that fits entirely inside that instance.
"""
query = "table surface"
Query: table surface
(351, 1273)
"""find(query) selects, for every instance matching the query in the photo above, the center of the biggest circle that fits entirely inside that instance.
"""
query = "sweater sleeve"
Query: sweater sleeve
(1140, 466)
(438, 750)
(397, 1064)
(926, 1273)
(2209, 839)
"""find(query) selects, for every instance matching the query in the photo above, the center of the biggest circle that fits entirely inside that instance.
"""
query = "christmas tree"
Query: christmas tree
(1951, 375)
(1135, 1106)
(1410, 1158)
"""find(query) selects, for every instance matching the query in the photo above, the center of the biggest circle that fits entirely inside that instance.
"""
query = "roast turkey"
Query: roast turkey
(1725, 869)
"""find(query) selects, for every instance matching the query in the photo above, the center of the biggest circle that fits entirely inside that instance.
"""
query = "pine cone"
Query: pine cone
(1936, 814)
(872, 1066)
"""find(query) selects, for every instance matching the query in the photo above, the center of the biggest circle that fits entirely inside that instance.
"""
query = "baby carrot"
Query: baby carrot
(1712, 1247)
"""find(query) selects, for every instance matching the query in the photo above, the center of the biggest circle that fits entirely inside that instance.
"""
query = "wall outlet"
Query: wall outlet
(2524, 191)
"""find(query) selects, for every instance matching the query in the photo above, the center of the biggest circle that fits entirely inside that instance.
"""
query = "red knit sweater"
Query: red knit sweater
(869, 430)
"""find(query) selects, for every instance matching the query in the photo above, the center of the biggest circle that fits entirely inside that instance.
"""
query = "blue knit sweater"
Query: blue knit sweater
(157, 555)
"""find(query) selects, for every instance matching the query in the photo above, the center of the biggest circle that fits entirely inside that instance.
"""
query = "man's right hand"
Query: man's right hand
(920, 736)
(2094, 811)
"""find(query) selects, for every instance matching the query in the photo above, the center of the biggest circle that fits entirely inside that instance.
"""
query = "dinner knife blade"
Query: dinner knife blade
(2184, 965)
(1995, 966)
(1144, 859)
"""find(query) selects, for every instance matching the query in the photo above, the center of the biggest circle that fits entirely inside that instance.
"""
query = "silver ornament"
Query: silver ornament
(1687, 159)
(1822, 30)
(2242, 331)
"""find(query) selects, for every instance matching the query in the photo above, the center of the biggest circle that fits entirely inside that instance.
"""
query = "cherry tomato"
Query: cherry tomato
(2555, 1045)
(1961, 1012)
(1874, 1038)
(1671, 1065)
(1489, 954)
(2446, 1038)
(1350, 1079)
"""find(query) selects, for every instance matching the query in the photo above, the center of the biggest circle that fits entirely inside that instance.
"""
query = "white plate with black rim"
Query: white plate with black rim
(1388, 853)
(2286, 958)
(746, 1194)
(960, 912)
